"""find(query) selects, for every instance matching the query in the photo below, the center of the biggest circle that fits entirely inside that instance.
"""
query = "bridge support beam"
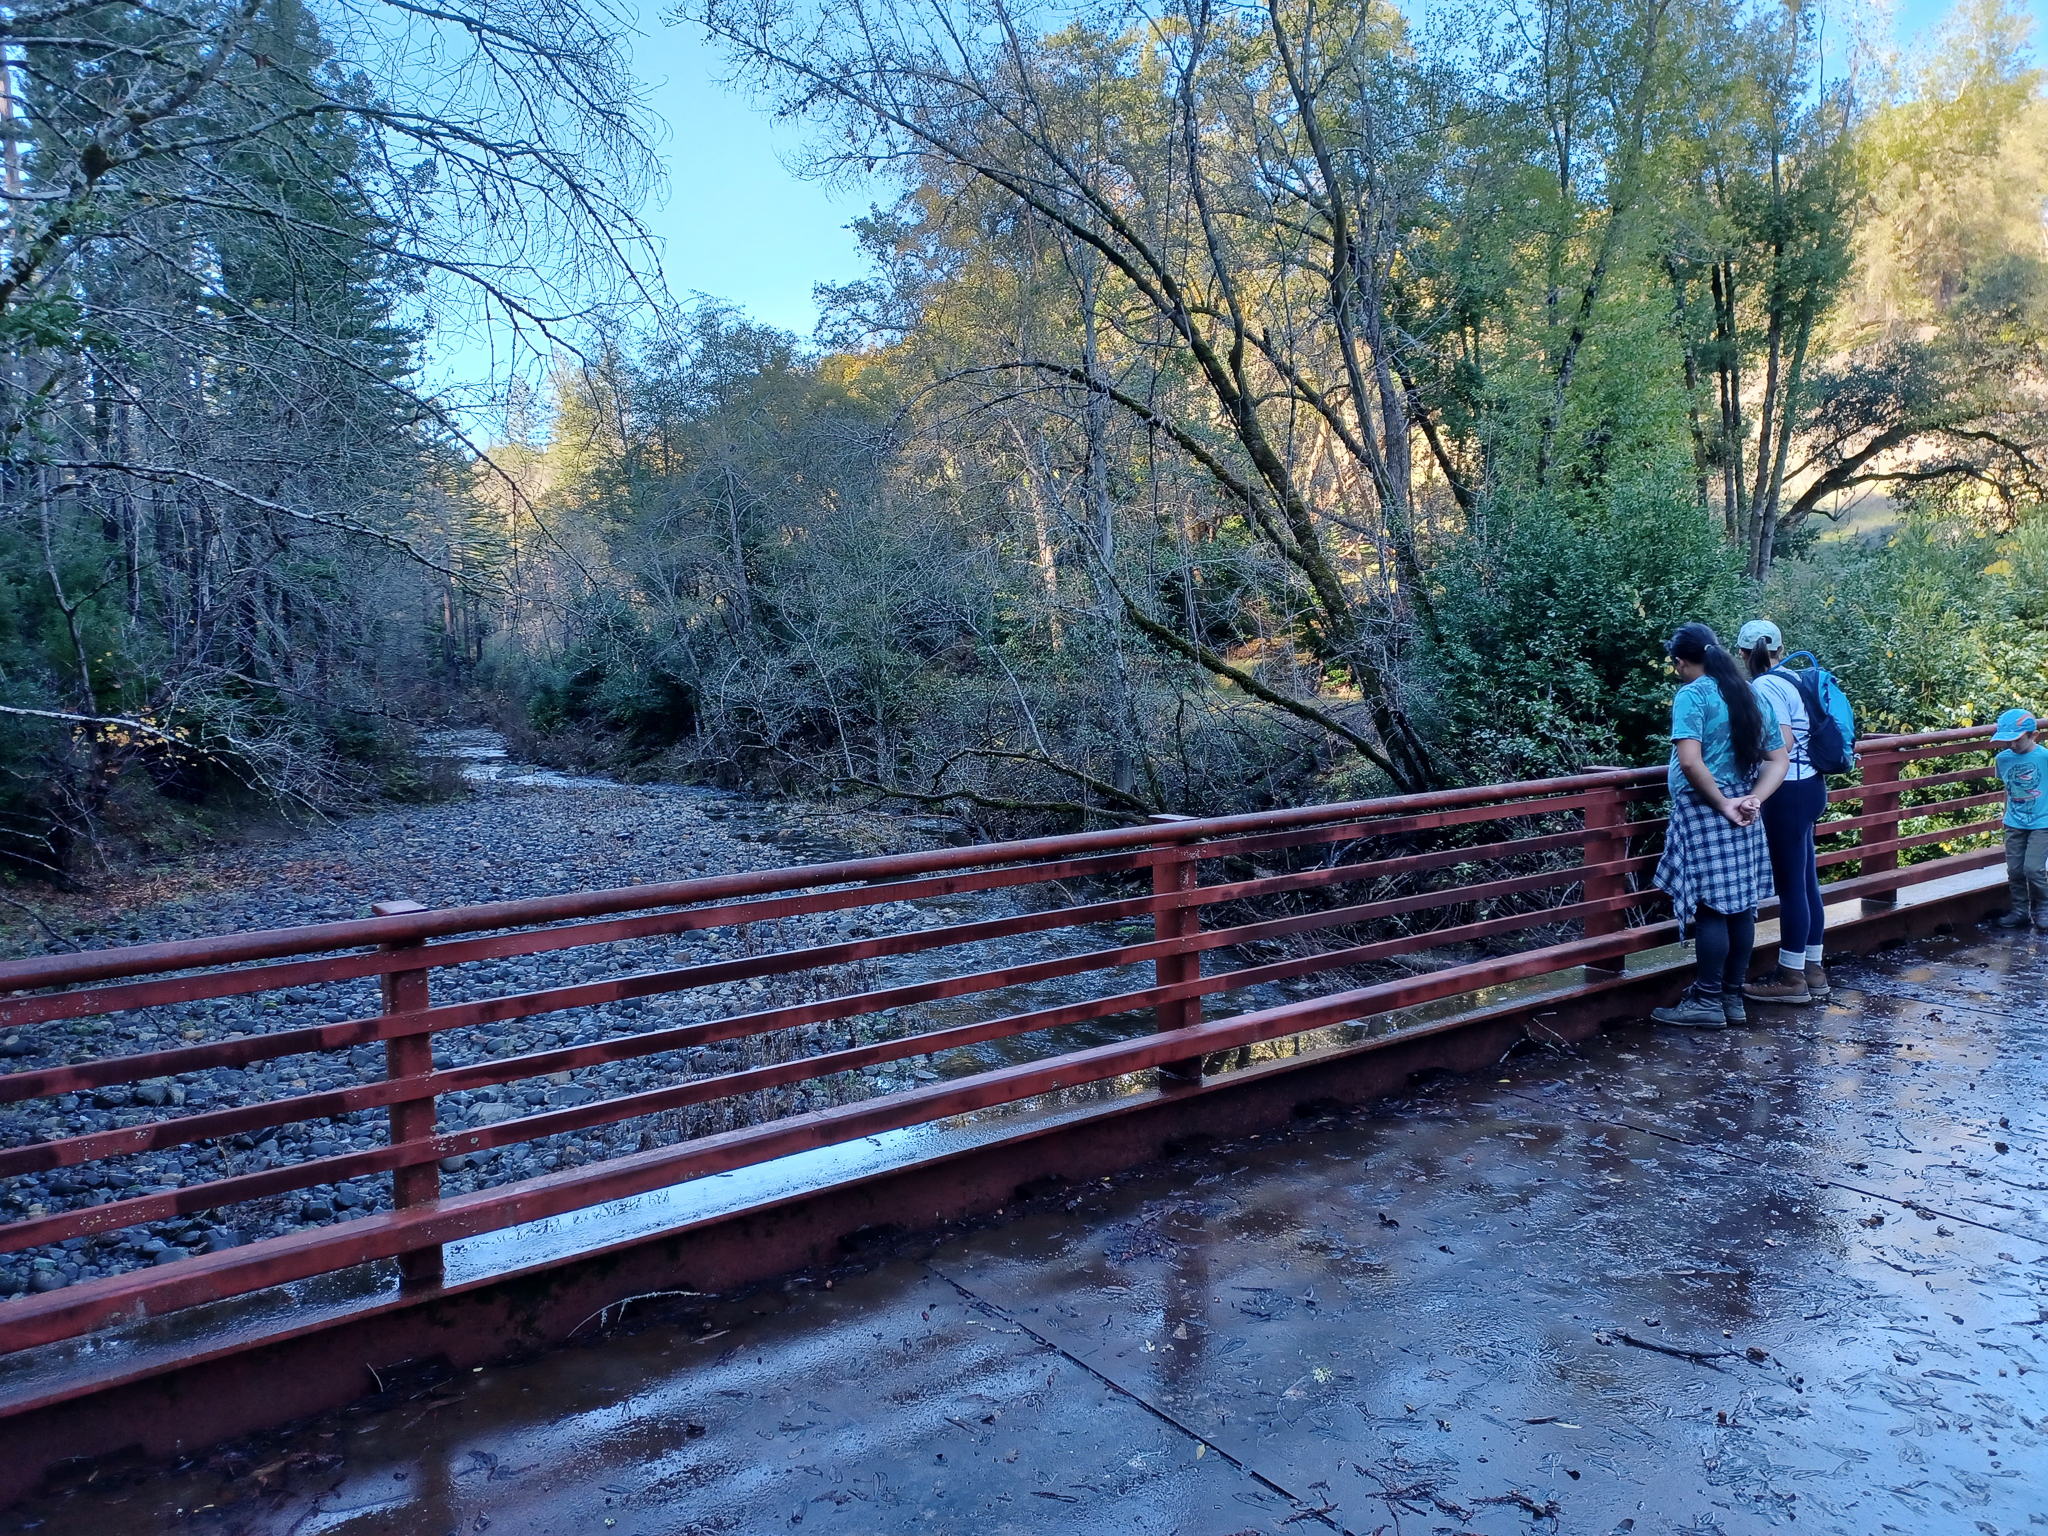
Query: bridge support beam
(411, 1119)
(1606, 843)
(1881, 797)
(1170, 876)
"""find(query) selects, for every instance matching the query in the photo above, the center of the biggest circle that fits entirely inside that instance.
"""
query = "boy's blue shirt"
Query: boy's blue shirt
(1699, 713)
(2025, 775)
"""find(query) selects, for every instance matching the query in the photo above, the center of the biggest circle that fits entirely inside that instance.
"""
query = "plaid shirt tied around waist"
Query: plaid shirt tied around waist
(1710, 862)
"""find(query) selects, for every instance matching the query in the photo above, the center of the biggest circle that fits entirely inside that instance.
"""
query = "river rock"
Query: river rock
(515, 838)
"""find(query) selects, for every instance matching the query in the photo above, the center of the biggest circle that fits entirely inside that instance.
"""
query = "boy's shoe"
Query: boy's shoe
(1785, 986)
(2014, 919)
(1818, 987)
(1731, 1007)
(1693, 1012)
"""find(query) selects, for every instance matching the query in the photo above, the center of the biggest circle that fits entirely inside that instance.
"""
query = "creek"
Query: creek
(522, 830)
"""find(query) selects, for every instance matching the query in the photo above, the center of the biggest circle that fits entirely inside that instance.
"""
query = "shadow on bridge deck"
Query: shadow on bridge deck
(1794, 1275)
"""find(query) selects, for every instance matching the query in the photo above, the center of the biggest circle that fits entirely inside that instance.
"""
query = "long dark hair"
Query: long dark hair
(1699, 644)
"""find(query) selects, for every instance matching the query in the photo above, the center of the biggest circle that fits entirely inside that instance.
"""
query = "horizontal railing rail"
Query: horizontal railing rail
(1544, 877)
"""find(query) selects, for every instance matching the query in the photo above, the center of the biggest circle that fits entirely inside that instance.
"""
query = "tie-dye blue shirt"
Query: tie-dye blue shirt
(2025, 775)
(1699, 713)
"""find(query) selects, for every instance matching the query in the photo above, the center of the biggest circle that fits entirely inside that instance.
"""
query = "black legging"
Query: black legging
(1789, 816)
(1724, 942)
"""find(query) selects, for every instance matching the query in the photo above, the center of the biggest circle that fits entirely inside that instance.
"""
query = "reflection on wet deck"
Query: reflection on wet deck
(1794, 1276)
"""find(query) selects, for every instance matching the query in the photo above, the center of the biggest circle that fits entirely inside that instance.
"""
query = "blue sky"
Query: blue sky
(736, 224)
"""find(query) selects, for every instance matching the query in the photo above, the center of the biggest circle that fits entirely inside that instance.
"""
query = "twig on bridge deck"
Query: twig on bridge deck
(1318, 1513)
(1413, 1496)
(625, 1301)
(1539, 1034)
(1548, 1510)
(1705, 1357)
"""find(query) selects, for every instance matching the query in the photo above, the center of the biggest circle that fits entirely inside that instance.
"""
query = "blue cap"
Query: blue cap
(2014, 724)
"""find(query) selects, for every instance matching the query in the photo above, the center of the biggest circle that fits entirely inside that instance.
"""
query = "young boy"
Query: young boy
(2023, 766)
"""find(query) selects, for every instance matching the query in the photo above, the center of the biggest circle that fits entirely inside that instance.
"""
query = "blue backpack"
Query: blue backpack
(1831, 735)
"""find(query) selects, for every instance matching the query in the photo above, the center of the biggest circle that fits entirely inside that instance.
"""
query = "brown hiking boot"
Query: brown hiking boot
(1783, 987)
(1817, 985)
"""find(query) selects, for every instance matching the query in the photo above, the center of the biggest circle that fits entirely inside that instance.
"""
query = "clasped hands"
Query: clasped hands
(1742, 810)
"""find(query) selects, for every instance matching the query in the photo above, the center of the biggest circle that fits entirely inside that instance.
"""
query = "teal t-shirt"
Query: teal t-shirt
(2025, 775)
(1699, 713)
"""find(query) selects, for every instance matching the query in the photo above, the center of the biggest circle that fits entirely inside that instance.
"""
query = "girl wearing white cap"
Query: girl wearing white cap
(1789, 818)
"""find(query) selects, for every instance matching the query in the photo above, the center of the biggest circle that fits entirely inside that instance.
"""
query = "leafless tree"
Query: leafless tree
(229, 225)
(1231, 185)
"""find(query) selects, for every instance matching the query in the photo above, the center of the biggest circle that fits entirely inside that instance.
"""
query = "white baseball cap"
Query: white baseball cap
(1759, 632)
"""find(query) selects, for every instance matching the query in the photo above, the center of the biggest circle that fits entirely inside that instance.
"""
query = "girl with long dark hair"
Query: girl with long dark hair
(1727, 757)
(1789, 818)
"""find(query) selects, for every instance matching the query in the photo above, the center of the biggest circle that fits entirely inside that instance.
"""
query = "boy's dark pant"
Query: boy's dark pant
(2026, 869)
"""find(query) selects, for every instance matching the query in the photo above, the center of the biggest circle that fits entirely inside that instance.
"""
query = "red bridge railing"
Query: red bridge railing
(1566, 862)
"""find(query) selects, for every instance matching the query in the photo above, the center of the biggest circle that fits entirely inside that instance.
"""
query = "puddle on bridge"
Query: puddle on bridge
(1794, 1276)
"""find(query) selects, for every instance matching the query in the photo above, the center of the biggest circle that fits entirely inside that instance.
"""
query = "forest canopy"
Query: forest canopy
(1241, 406)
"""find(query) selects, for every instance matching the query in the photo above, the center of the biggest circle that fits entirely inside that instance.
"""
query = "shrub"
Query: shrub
(1551, 656)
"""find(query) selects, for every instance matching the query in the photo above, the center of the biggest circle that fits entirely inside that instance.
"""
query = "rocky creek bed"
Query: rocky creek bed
(520, 833)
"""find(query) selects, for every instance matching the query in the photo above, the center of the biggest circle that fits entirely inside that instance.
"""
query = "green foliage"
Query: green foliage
(1240, 406)
(1552, 658)
(609, 682)
(1942, 625)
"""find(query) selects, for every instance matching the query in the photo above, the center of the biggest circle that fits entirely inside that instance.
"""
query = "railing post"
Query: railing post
(1175, 873)
(1606, 843)
(411, 1119)
(1881, 795)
